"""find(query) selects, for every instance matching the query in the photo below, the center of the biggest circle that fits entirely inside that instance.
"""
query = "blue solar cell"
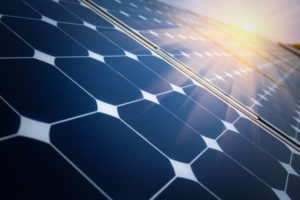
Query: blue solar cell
(185, 189)
(42, 92)
(48, 39)
(91, 39)
(263, 140)
(138, 74)
(113, 156)
(192, 114)
(230, 176)
(279, 121)
(286, 110)
(293, 187)
(28, 175)
(296, 163)
(71, 1)
(164, 130)
(10, 121)
(17, 8)
(213, 104)
(254, 159)
(165, 70)
(86, 14)
(124, 41)
(53, 11)
(9, 43)
(99, 80)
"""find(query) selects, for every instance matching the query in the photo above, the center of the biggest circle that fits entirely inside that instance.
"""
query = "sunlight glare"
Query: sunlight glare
(247, 27)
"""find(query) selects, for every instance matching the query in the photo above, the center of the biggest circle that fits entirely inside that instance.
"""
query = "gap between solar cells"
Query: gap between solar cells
(193, 75)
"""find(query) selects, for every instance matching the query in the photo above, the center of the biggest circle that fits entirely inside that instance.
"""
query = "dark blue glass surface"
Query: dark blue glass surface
(113, 156)
(86, 14)
(9, 42)
(263, 140)
(254, 159)
(185, 189)
(138, 74)
(99, 79)
(17, 8)
(91, 39)
(212, 103)
(124, 41)
(296, 163)
(222, 175)
(293, 187)
(193, 114)
(49, 39)
(53, 10)
(10, 121)
(33, 170)
(41, 92)
(163, 129)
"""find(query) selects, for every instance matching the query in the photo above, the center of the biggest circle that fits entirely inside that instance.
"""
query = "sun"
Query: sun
(247, 27)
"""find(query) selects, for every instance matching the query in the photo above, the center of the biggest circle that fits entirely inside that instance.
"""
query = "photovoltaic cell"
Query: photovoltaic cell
(89, 112)
(10, 41)
(39, 91)
(138, 74)
(33, 170)
(48, 39)
(102, 156)
(91, 39)
(207, 169)
(53, 11)
(99, 79)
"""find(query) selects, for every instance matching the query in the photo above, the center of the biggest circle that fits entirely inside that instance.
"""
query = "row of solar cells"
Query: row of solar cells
(270, 60)
(249, 86)
(113, 118)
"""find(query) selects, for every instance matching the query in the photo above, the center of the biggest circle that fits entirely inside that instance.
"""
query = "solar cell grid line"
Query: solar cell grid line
(289, 128)
(72, 141)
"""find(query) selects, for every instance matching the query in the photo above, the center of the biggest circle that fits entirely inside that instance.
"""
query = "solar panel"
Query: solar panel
(199, 42)
(90, 109)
